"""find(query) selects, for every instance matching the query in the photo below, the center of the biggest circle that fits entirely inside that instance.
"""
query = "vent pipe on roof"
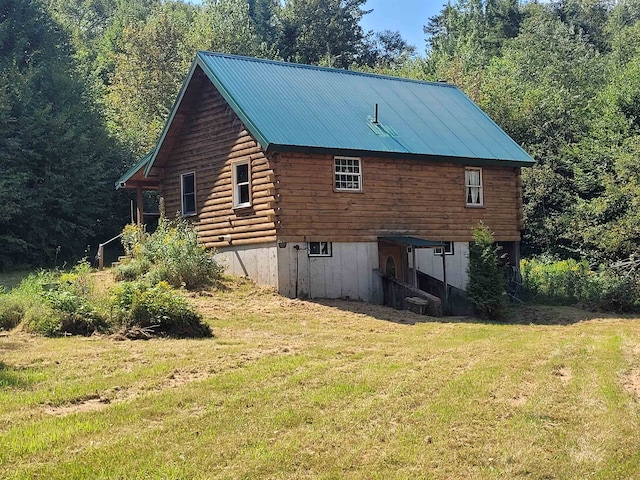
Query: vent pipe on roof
(375, 119)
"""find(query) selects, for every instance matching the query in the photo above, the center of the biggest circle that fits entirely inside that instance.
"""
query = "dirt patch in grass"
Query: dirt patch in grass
(96, 402)
(632, 382)
(631, 379)
(563, 373)
(91, 404)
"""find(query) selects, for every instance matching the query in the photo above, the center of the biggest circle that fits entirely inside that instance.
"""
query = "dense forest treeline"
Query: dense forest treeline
(86, 86)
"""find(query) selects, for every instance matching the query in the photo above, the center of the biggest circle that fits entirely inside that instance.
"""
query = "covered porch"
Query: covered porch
(135, 179)
(398, 261)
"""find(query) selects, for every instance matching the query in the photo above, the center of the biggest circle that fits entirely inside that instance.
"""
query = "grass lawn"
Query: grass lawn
(334, 389)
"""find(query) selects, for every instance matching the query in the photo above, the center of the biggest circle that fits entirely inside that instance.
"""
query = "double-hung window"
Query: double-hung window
(347, 174)
(241, 185)
(188, 189)
(473, 186)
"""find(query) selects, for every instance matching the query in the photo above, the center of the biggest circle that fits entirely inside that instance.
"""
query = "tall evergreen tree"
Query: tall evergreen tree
(54, 157)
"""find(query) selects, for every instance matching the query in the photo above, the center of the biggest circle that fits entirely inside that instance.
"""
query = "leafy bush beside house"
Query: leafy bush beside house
(486, 278)
(171, 254)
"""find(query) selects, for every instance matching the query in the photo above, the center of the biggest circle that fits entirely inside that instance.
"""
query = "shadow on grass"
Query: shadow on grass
(515, 315)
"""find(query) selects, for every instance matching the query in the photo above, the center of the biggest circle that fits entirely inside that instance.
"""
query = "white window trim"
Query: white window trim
(467, 186)
(359, 174)
(329, 250)
(438, 250)
(195, 190)
(236, 186)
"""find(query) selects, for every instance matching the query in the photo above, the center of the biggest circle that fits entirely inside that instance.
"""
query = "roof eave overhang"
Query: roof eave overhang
(471, 161)
(122, 182)
(199, 62)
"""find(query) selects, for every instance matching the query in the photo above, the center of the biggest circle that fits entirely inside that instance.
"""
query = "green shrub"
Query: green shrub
(562, 282)
(57, 303)
(131, 269)
(486, 279)
(171, 254)
(63, 301)
(35, 283)
(157, 308)
(12, 309)
(41, 318)
(570, 282)
(77, 315)
(612, 292)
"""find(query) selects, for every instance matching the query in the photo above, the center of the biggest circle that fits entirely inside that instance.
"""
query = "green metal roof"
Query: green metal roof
(133, 170)
(293, 107)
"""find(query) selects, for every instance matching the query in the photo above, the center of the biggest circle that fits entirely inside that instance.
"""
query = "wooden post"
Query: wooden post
(415, 267)
(445, 300)
(139, 205)
(101, 257)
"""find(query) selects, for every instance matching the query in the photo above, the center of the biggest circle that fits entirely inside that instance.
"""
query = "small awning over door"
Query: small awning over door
(414, 242)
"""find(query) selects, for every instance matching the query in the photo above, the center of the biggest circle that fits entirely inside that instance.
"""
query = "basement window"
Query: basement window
(347, 174)
(319, 249)
(241, 185)
(188, 193)
(448, 249)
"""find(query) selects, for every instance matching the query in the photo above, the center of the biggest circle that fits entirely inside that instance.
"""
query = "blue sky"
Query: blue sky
(406, 16)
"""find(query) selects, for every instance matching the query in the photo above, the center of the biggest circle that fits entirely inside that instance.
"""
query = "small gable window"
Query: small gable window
(188, 189)
(347, 174)
(319, 249)
(241, 185)
(473, 186)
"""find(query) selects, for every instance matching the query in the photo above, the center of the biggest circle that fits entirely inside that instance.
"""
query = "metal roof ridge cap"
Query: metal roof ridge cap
(328, 69)
(169, 121)
(235, 106)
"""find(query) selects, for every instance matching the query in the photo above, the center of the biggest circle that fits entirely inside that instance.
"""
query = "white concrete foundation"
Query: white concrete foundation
(257, 262)
(347, 273)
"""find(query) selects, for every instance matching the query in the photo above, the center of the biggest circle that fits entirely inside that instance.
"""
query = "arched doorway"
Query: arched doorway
(390, 267)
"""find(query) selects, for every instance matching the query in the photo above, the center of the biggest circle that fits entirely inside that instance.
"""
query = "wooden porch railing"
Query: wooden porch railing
(101, 251)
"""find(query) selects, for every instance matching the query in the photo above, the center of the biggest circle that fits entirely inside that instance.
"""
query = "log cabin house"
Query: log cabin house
(314, 180)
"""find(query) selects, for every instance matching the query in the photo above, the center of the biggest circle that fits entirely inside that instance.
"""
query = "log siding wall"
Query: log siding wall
(409, 197)
(211, 140)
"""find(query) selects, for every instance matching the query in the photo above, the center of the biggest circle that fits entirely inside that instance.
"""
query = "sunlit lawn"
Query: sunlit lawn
(293, 389)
